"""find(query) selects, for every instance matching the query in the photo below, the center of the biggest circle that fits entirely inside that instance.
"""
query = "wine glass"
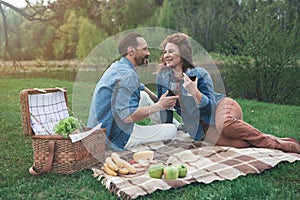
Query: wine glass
(186, 93)
(175, 88)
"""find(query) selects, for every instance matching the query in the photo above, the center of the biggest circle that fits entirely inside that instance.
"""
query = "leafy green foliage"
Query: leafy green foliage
(267, 68)
(89, 37)
(66, 44)
(205, 21)
(166, 15)
(67, 125)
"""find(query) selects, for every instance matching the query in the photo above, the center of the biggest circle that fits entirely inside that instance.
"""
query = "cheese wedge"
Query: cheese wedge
(143, 155)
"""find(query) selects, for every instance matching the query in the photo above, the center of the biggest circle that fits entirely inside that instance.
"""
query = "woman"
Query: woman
(207, 114)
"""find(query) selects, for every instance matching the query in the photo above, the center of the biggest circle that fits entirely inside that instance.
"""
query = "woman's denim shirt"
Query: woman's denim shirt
(191, 113)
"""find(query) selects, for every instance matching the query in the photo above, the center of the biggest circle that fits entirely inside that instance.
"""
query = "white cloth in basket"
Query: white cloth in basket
(46, 111)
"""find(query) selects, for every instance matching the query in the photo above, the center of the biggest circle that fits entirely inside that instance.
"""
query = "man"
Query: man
(117, 97)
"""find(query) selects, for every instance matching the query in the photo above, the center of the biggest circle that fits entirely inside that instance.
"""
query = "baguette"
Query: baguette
(112, 165)
(123, 171)
(116, 158)
(130, 167)
(108, 170)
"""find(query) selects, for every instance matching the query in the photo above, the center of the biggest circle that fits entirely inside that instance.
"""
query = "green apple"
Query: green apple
(182, 170)
(171, 172)
(156, 170)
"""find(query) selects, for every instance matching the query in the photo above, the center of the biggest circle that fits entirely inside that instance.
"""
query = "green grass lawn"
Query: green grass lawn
(281, 182)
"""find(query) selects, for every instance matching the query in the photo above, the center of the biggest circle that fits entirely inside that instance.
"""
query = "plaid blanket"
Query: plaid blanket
(205, 163)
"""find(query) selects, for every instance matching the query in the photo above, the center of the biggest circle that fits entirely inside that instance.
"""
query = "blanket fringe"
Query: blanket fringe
(109, 185)
(115, 190)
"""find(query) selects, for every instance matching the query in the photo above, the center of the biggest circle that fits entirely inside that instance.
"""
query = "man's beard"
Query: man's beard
(143, 62)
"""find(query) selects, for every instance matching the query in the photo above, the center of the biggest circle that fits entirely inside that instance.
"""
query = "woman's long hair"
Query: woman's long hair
(185, 49)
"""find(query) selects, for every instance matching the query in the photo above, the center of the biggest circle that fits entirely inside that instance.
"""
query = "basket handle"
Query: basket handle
(48, 164)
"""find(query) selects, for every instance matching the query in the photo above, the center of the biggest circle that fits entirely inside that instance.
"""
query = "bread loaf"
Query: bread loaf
(143, 155)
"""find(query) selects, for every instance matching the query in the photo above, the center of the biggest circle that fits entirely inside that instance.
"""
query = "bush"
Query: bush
(244, 80)
(267, 68)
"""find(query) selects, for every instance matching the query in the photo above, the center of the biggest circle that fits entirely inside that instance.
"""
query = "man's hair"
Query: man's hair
(129, 39)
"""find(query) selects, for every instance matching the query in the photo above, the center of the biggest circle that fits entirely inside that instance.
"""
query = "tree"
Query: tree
(36, 40)
(121, 15)
(66, 44)
(111, 17)
(50, 14)
(89, 37)
(36, 12)
(13, 35)
(166, 17)
(270, 71)
(204, 20)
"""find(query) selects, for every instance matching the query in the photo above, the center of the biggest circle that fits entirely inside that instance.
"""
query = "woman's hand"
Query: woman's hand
(189, 85)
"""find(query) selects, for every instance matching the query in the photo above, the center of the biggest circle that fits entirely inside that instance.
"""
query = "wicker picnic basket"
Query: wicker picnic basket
(52, 152)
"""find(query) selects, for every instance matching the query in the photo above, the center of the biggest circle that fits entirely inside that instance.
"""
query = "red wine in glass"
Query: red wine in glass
(193, 78)
(175, 88)
(171, 93)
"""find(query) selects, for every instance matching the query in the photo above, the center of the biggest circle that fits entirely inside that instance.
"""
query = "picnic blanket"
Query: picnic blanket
(206, 163)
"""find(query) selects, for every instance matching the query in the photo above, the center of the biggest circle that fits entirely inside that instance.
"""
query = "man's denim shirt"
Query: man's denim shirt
(191, 113)
(116, 96)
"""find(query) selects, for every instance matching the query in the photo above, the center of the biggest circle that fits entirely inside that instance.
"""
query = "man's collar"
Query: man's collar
(126, 60)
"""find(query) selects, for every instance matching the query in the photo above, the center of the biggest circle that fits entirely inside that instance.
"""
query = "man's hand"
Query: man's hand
(143, 112)
(166, 102)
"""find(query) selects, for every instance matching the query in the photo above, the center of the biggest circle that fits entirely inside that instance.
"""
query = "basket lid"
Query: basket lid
(41, 109)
